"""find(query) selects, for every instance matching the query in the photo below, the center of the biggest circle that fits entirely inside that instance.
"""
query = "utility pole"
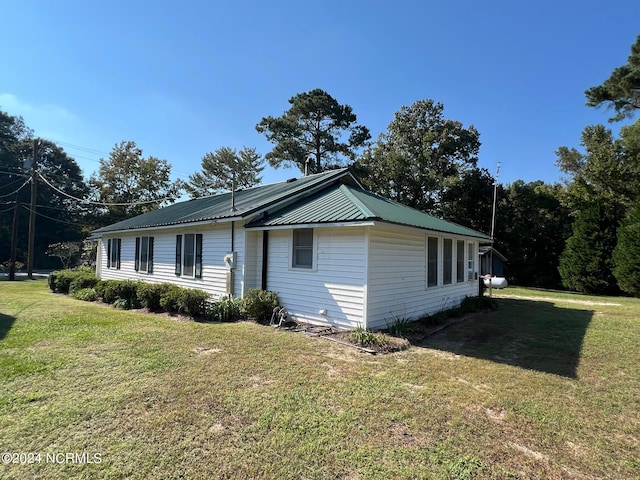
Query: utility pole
(32, 211)
(14, 240)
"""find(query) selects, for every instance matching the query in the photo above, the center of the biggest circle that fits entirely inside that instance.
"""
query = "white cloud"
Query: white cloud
(47, 121)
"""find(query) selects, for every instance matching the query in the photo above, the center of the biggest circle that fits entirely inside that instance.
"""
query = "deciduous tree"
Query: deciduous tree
(139, 184)
(420, 157)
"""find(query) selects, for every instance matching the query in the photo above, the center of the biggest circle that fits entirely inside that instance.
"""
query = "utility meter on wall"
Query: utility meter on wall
(230, 260)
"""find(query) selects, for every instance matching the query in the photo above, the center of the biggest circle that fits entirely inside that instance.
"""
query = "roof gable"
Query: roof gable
(347, 203)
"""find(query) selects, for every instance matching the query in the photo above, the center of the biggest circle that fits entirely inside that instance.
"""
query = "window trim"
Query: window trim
(447, 261)
(181, 255)
(471, 262)
(114, 248)
(435, 261)
(141, 252)
(460, 263)
(313, 247)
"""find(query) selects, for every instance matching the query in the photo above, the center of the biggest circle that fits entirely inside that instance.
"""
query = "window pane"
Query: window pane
(470, 262)
(189, 254)
(432, 262)
(447, 260)
(460, 261)
(302, 248)
(144, 253)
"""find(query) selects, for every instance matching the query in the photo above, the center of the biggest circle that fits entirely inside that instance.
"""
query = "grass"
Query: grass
(546, 387)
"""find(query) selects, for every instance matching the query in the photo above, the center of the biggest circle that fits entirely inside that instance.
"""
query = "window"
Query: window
(189, 255)
(113, 253)
(447, 261)
(470, 261)
(302, 254)
(432, 261)
(460, 261)
(144, 254)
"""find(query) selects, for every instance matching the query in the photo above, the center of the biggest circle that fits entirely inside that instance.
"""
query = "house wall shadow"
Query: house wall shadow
(535, 335)
(6, 322)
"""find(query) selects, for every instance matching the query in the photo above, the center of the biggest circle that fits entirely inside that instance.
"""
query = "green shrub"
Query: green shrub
(477, 304)
(259, 303)
(86, 294)
(70, 280)
(365, 338)
(83, 280)
(149, 294)
(194, 301)
(228, 310)
(184, 300)
(171, 299)
(122, 304)
(113, 290)
(400, 327)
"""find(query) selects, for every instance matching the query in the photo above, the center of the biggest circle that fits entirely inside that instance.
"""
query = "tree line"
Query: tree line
(581, 234)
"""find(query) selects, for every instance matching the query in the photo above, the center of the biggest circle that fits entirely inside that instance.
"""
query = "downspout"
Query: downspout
(265, 258)
(232, 278)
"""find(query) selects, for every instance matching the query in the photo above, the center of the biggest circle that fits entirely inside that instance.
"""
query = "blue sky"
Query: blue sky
(184, 78)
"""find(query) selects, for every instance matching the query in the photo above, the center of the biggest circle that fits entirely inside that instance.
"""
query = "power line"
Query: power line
(104, 204)
(16, 191)
(54, 219)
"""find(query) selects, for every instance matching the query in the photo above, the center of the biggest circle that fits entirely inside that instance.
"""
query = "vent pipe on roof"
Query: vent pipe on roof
(306, 166)
(233, 191)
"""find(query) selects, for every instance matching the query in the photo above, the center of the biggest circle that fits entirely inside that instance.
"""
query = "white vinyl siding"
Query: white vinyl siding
(216, 242)
(397, 268)
(335, 285)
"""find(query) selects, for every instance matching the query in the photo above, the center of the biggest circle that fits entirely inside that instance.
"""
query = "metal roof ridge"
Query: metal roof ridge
(368, 213)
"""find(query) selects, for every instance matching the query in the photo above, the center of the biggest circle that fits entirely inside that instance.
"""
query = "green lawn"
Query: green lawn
(546, 387)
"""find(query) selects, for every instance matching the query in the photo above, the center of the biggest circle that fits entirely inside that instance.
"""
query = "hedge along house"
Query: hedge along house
(335, 253)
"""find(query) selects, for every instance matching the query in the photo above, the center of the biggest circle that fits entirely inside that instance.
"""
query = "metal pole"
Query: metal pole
(493, 226)
(14, 240)
(32, 211)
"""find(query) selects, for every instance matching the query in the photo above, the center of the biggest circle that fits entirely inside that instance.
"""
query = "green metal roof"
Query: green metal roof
(218, 207)
(347, 203)
(328, 197)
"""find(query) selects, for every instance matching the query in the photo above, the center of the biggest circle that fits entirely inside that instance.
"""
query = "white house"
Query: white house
(335, 253)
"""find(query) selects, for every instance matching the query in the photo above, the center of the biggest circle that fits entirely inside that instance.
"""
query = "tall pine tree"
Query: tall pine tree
(626, 255)
(586, 264)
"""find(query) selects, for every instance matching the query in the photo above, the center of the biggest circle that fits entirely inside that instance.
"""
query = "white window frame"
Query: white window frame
(196, 267)
(292, 251)
(114, 251)
(460, 261)
(471, 261)
(447, 276)
(143, 262)
(434, 268)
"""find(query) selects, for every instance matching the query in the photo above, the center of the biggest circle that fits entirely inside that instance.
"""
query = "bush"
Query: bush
(259, 303)
(225, 310)
(70, 280)
(365, 338)
(184, 300)
(113, 290)
(149, 294)
(400, 327)
(477, 304)
(86, 294)
(83, 280)
(170, 300)
(194, 301)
